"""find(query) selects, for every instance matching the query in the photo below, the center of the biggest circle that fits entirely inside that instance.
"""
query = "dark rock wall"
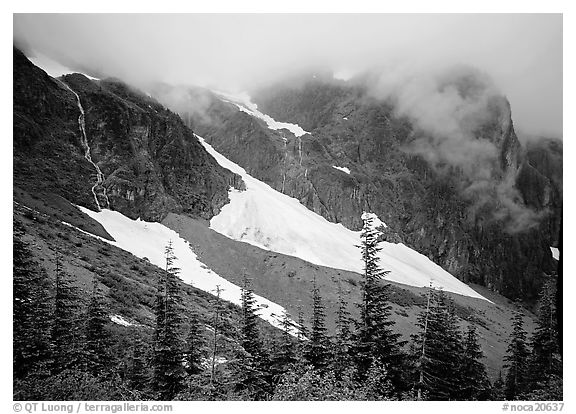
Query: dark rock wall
(152, 163)
(426, 206)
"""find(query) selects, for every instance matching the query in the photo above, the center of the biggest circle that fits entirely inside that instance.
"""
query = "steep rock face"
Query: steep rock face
(151, 161)
(468, 222)
(497, 236)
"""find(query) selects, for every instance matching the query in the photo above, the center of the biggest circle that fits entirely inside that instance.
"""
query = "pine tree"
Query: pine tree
(375, 338)
(169, 374)
(302, 335)
(251, 364)
(317, 351)
(31, 323)
(516, 360)
(545, 358)
(137, 375)
(97, 337)
(475, 382)
(438, 347)
(341, 360)
(498, 388)
(284, 357)
(217, 307)
(195, 343)
(66, 335)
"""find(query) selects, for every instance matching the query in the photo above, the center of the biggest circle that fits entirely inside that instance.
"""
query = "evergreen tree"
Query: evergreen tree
(545, 356)
(516, 360)
(317, 351)
(30, 311)
(498, 388)
(97, 337)
(545, 368)
(341, 359)
(66, 335)
(218, 310)
(251, 365)
(137, 376)
(168, 376)
(438, 347)
(195, 343)
(302, 336)
(377, 386)
(284, 357)
(375, 338)
(475, 382)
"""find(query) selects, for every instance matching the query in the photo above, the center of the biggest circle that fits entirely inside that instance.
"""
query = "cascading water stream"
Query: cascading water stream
(87, 155)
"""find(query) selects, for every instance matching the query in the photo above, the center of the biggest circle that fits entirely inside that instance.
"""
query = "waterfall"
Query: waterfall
(87, 155)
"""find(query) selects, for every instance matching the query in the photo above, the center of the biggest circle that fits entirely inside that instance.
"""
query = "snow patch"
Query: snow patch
(242, 101)
(268, 219)
(149, 239)
(345, 118)
(85, 232)
(343, 169)
(376, 222)
(118, 319)
(555, 253)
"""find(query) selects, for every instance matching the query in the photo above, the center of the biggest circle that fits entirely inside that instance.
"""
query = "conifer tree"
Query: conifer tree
(217, 307)
(137, 375)
(168, 376)
(194, 350)
(475, 383)
(284, 357)
(251, 366)
(317, 351)
(438, 347)
(375, 338)
(97, 337)
(545, 356)
(498, 388)
(286, 350)
(341, 359)
(516, 360)
(30, 311)
(302, 335)
(545, 364)
(66, 334)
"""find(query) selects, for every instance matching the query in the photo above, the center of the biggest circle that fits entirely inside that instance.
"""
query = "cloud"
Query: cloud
(460, 119)
(521, 52)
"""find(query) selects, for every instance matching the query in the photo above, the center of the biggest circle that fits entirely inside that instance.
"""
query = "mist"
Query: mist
(520, 53)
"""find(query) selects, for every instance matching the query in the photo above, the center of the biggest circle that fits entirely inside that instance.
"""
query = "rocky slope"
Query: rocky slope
(490, 221)
(152, 163)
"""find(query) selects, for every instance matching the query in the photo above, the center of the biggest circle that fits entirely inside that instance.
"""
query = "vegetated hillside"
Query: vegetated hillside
(288, 281)
(489, 223)
(129, 287)
(129, 283)
(152, 163)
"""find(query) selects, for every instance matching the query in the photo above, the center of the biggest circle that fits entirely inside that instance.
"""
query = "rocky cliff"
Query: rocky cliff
(490, 221)
(151, 162)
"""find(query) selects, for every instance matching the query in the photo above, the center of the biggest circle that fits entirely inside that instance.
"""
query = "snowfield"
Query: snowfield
(274, 221)
(555, 253)
(148, 240)
(119, 320)
(343, 169)
(242, 101)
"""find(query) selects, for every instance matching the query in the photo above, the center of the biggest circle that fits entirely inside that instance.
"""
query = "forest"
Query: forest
(64, 347)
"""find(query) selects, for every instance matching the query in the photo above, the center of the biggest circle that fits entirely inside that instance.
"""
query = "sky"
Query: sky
(522, 53)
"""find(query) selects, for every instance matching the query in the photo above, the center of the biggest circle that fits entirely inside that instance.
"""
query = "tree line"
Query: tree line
(64, 348)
